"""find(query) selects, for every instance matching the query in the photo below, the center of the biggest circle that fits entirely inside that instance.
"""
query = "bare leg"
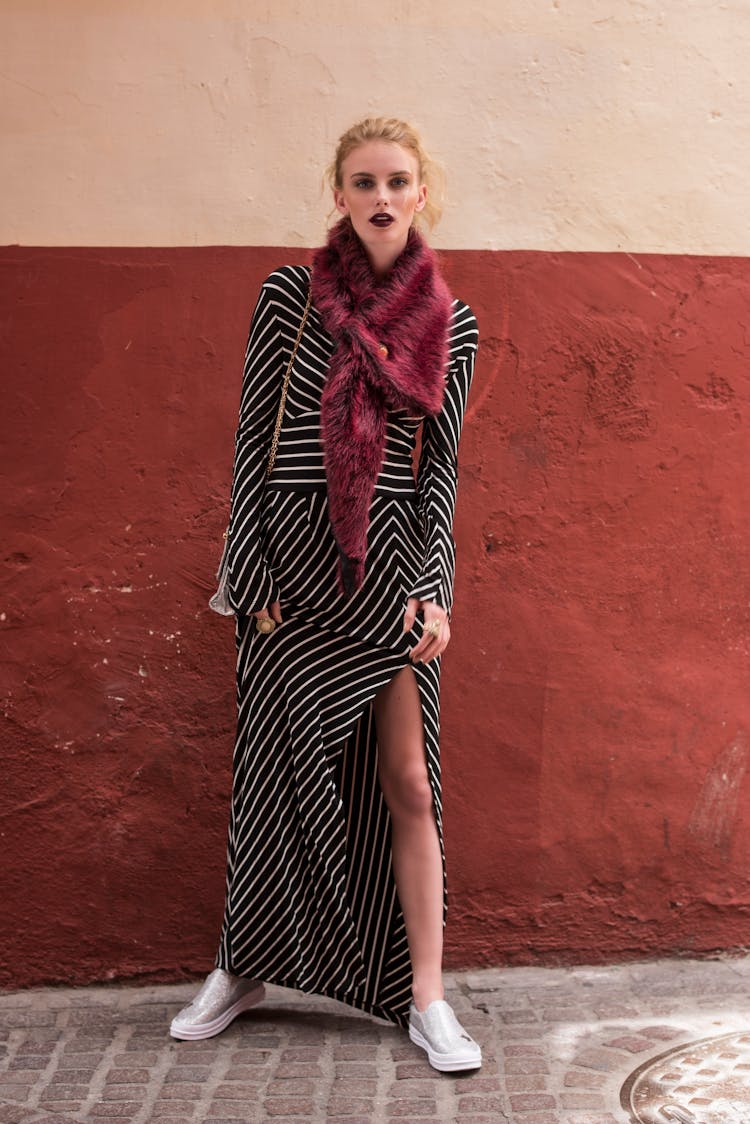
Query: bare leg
(417, 862)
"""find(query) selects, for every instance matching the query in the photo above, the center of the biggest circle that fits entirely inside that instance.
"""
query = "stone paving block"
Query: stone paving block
(412, 1120)
(586, 1079)
(475, 1118)
(480, 1104)
(128, 1076)
(365, 1087)
(478, 1084)
(526, 1083)
(527, 1063)
(349, 1106)
(597, 1057)
(65, 1093)
(180, 1092)
(418, 1070)
(181, 1074)
(403, 1052)
(561, 1015)
(591, 1118)
(354, 1070)
(260, 1057)
(293, 1069)
(45, 1119)
(541, 1118)
(20, 1076)
(411, 1108)
(120, 1092)
(348, 1053)
(582, 1100)
(290, 1087)
(617, 1011)
(15, 1018)
(88, 1062)
(362, 1035)
(226, 1120)
(236, 1090)
(528, 1102)
(28, 1062)
(120, 1110)
(630, 1042)
(233, 1108)
(663, 1033)
(66, 1107)
(288, 1106)
(260, 1041)
(293, 1054)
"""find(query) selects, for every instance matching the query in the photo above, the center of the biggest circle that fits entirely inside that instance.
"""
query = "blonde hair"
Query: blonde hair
(396, 132)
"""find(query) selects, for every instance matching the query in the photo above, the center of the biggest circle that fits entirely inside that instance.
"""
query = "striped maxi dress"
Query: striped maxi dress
(311, 901)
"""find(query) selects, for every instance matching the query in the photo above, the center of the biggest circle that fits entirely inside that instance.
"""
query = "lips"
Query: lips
(382, 219)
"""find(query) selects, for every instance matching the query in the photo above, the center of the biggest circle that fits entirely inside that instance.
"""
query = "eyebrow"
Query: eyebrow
(358, 175)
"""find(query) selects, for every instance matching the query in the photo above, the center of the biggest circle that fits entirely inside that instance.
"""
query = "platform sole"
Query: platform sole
(221, 1022)
(446, 1063)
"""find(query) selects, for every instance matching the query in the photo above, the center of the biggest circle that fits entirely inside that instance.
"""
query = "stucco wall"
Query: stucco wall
(595, 709)
(613, 125)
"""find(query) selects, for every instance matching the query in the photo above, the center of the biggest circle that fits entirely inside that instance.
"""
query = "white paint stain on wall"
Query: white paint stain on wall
(715, 811)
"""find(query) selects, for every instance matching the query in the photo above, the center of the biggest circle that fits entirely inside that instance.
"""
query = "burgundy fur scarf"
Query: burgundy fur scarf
(391, 353)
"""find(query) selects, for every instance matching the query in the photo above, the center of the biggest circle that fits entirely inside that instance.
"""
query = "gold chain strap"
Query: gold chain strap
(285, 387)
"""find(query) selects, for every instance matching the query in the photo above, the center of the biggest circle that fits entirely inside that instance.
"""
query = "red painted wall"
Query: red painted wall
(595, 694)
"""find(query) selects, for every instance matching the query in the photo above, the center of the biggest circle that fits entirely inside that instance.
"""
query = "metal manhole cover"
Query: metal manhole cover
(704, 1082)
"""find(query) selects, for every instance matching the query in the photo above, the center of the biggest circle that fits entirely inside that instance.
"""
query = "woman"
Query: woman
(340, 573)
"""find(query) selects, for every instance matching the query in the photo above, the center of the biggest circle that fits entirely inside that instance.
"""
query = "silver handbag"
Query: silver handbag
(220, 600)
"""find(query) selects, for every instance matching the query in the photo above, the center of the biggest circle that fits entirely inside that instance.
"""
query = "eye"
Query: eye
(363, 183)
(399, 181)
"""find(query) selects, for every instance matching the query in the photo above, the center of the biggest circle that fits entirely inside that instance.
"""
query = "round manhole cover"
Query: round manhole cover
(704, 1082)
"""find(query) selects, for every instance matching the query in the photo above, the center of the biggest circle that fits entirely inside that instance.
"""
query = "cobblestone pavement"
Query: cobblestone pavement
(643, 1043)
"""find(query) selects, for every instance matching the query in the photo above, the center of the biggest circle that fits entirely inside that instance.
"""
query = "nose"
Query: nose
(382, 196)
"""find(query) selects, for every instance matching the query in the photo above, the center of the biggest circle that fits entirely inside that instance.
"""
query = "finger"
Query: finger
(424, 652)
(410, 615)
(430, 645)
(427, 642)
(276, 612)
(261, 613)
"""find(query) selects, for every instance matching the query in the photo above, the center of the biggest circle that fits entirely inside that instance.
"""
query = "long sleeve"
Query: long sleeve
(437, 474)
(251, 584)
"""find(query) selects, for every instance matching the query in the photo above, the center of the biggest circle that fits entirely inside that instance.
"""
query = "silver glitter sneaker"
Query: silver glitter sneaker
(221, 998)
(438, 1031)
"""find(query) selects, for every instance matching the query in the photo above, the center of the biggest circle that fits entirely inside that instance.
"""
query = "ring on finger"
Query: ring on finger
(433, 628)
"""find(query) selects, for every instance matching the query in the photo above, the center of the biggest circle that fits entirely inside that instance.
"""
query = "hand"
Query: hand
(274, 612)
(428, 646)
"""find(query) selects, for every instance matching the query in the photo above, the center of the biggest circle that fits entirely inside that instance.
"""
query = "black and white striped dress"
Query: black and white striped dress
(311, 901)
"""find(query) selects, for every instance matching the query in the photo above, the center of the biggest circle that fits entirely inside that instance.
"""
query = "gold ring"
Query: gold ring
(265, 624)
(433, 628)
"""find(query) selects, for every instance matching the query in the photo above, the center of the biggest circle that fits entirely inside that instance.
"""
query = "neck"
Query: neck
(383, 258)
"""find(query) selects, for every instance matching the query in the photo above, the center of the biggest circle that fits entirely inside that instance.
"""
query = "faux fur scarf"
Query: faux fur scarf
(391, 353)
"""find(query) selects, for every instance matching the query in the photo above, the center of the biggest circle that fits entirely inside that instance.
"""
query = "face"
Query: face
(381, 192)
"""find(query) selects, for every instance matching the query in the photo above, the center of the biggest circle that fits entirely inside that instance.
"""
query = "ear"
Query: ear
(338, 198)
(422, 199)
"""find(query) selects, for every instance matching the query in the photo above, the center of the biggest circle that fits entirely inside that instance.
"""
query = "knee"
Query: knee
(408, 795)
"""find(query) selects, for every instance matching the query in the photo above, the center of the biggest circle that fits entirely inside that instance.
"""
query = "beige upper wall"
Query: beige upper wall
(567, 125)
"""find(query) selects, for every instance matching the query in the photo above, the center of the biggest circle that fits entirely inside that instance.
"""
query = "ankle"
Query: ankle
(426, 992)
